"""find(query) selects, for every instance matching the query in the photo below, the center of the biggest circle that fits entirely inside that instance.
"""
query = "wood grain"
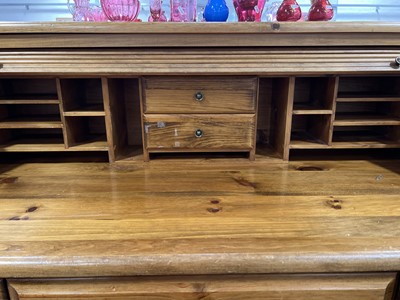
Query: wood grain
(200, 39)
(199, 61)
(365, 120)
(221, 94)
(199, 217)
(270, 287)
(218, 132)
(283, 106)
(226, 28)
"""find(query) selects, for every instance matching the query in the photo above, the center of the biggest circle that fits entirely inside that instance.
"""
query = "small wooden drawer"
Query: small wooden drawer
(228, 287)
(194, 133)
(197, 94)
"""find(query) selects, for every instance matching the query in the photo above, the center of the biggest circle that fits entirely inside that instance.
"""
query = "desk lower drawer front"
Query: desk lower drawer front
(229, 287)
(176, 133)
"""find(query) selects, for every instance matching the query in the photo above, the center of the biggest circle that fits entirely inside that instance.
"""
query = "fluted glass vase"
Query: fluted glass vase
(121, 10)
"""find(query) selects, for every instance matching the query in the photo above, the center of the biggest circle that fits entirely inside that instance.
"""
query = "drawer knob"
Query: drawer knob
(198, 133)
(397, 61)
(199, 96)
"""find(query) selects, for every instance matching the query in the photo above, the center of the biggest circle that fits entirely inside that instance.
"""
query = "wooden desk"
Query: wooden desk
(265, 220)
(179, 227)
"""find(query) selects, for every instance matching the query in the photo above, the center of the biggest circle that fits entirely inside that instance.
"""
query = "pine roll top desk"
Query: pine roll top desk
(200, 197)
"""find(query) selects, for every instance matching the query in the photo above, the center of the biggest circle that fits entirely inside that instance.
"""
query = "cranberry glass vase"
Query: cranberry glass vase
(288, 11)
(249, 10)
(121, 10)
(320, 10)
(156, 12)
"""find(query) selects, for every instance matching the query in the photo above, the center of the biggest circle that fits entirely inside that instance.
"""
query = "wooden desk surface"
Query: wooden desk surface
(199, 217)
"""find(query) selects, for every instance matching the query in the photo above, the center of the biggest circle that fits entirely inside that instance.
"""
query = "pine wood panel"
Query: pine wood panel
(215, 61)
(227, 28)
(221, 94)
(187, 39)
(283, 105)
(199, 217)
(219, 132)
(270, 287)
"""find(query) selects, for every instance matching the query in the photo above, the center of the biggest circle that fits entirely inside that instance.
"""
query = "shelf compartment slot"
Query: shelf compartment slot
(31, 140)
(86, 134)
(82, 97)
(366, 137)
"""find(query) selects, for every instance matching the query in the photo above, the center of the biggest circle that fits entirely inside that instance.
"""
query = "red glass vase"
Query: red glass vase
(249, 10)
(320, 10)
(121, 10)
(288, 11)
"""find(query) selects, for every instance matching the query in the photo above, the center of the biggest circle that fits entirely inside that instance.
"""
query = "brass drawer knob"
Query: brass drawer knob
(397, 61)
(199, 96)
(198, 133)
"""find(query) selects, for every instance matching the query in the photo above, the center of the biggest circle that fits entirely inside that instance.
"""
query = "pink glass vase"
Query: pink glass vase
(249, 10)
(320, 10)
(79, 9)
(121, 10)
(288, 11)
(96, 14)
(156, 12)
(183, 10)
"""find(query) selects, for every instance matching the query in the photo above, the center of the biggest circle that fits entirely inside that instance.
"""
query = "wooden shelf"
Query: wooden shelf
(84, 114)
(365, 120)
(51, 144)
(29, 101)
(366, 98)
(363, 139)
(33, 145)
(93, 143)
(86, 111)
(304, 140)
(365, 144)
(297, 111)
(31, 122)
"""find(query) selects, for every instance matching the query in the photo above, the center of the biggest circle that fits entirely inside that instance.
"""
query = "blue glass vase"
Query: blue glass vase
(216, 11)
